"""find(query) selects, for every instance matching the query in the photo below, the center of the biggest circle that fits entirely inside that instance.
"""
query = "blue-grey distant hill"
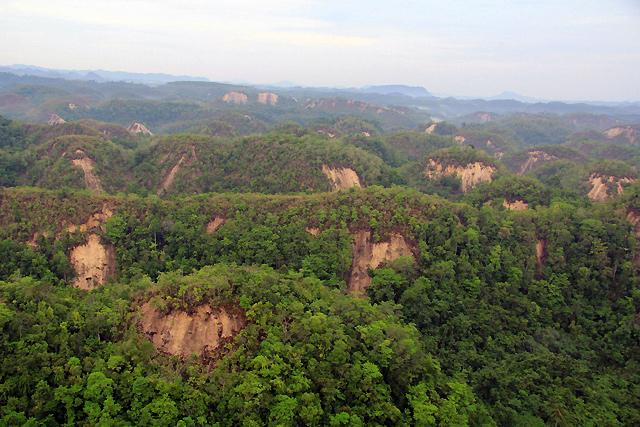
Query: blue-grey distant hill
(152, 79)
(412, 91)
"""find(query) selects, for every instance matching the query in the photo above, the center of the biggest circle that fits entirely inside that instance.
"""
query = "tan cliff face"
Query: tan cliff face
(431, 129)
(629, 133)
(314, 231)
(94, 263)
(534, 158)
(87, 166)
(459, 139)
(368, 255)
(470, 174)
(341, 178)
(603, 185)
(139, 129)
(516, 205)
(183, 334)
(268, 98)
(235, 98)
(215, 223)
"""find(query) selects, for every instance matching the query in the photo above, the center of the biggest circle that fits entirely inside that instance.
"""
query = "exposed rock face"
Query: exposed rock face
(214, 224)
(470, 174)
(95, 221)
(94, 263)
(535, 157)
(171, 176)
(368, 255)
(314, 231)
(86, 165)
(516, 205)
(459, 139)
(341, 178)
(601, 186)
(268, 98)
(55, 119)
(431, 129)
(183, 334)
(139, 129)
(235, 98)
(72, 106)
(629, 133)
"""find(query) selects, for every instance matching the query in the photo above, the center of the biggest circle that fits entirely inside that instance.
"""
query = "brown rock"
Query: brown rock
(94, 263)
(183, 334)
(341, 178)
(470, 174)
(368, 255)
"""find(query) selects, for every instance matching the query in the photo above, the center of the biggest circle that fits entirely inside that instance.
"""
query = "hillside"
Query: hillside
(204, 254)
(524, 281)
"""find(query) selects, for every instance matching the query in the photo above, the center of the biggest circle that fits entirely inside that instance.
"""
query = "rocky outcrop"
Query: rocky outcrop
(87, 166)
(215, 223)
(341, 178)
(516, 205)
(459, 139)
(201, 332)
(268, 98)
(235, 98)
(431, 129)
(94, 263)
(314, 231)
(95, 222)
(470, 174)
(55, 119)
(603, 185)
(137, 128)
(167, 181)
(534, 158)
(368, 255)
(629, 134)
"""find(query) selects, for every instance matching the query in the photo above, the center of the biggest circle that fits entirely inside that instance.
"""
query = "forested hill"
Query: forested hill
(475, 315)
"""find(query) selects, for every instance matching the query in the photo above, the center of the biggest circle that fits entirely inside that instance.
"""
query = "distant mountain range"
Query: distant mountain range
(152, 79)
(412, 91)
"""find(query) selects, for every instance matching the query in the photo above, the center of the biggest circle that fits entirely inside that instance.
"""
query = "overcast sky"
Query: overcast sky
(553, 49)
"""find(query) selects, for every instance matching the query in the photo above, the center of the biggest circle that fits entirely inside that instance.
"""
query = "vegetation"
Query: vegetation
(491, 317)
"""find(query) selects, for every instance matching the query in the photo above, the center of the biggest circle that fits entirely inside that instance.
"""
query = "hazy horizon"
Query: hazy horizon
(578, 50)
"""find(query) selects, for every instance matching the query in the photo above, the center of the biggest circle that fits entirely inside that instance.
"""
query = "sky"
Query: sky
(548, 49)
